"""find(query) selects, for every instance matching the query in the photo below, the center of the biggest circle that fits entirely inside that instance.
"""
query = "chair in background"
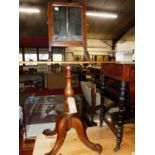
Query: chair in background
(93, 100)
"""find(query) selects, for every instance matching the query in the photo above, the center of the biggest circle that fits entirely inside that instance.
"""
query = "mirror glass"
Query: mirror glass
(67, 23)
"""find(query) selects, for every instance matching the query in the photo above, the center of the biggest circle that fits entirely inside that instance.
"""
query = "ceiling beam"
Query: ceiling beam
(106, 42)
(122, 33)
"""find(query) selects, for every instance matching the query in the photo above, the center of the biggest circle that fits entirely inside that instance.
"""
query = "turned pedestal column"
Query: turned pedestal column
(69, 120)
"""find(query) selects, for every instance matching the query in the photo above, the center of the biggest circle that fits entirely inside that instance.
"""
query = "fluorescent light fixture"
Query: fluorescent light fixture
(56, 8)
(29, 10)
(101, 14)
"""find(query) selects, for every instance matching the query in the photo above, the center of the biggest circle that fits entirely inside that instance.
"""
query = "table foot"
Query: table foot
(49, 132)
(116, 148)
(77, 124)
(61, 134)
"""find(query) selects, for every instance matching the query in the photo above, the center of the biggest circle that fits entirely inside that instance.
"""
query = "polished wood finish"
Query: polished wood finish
(53, 42)
(121, 72)
(73, 146)
(124, 74)
(69, 120)
(68, 89)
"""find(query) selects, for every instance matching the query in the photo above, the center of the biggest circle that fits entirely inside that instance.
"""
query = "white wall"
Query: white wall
(127, 44)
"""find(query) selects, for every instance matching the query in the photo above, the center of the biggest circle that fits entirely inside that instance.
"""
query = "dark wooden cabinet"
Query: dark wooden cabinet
(117, 83)
(112, 74)
(95, 75)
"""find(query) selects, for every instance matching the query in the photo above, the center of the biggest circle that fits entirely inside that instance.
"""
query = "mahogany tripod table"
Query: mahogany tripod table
(69, 120)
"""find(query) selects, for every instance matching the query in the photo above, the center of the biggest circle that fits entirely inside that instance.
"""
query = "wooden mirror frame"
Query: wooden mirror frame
(52, 42)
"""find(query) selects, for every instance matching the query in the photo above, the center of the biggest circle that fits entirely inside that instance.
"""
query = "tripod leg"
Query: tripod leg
(61, 133)
(49, 132)
(77, 124)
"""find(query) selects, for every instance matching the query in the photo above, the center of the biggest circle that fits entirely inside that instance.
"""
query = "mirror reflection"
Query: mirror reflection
(67, 23)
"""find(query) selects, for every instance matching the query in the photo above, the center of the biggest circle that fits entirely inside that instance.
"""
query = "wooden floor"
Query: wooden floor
(73, 146)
